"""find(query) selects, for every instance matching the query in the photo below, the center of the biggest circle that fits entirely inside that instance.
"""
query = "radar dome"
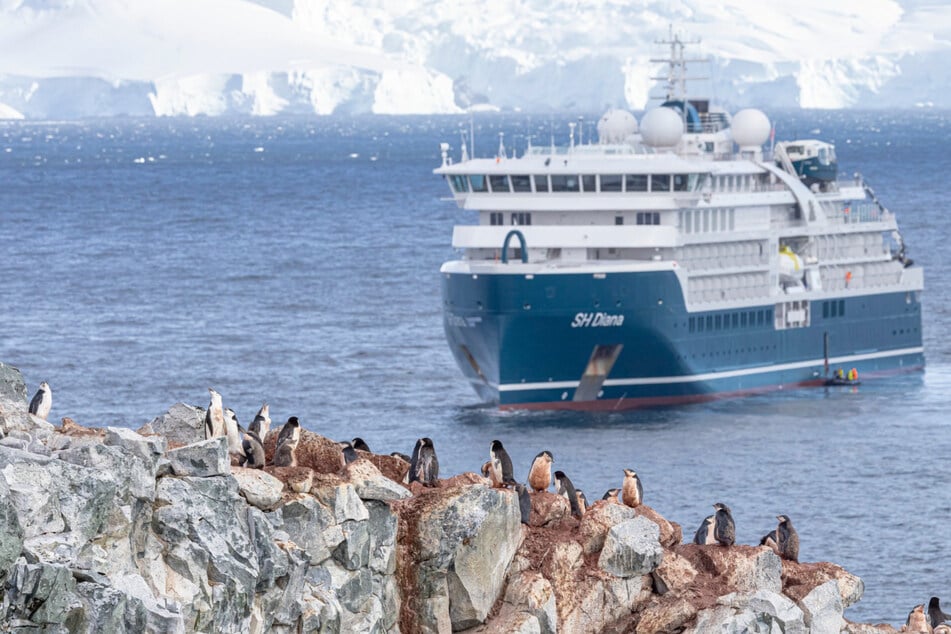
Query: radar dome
(662, 127)
(616, 126)
(750, 128)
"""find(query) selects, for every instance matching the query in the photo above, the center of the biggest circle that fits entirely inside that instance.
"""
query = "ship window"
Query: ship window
(699, 324)
(660, 183)
(564, 183)
(610, 182)
(648, 218)
(706, 220)
(769, 315)
(478, 183)
(842, 308)
(718, 322)
(588, 182)
(732, 218)
(743, 320)
(521, 182)
(680, 182)
(696, 221)
(459, 183)
(760, 318)
(521, 218)
(709, 322)
(692, 326)
(734, 319)
(619, 220)
(825, 310)
(499, 183)
(541, 183)
(496, 218)
(635, 182)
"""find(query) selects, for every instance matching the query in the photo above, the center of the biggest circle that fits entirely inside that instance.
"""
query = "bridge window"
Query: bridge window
(611, 182)
(619, 220)
(499, 183)
(541, 183)
(564, 183)
(648, 218)
(459, 183)
(521, 218)
(680, 182)
(521, 182)
(635, 182)
(496, 218)
(589, 182)
(660, 183)
(478, 182)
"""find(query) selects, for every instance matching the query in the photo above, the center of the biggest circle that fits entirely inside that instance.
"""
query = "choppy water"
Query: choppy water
(295, 260)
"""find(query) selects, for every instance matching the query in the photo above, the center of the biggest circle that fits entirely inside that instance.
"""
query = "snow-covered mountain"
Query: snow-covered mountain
(77, 58)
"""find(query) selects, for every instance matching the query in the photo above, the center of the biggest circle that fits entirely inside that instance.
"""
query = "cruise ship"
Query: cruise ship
(682, 258)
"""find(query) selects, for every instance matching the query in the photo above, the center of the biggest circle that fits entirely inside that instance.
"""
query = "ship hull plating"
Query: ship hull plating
(626, 340)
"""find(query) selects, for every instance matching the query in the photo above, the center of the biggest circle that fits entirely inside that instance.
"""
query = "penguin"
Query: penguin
(401, 456)
(784, 540)
(285, 453)
(349, 453)
(539, 475)
(253, 451)
(724, 529)
(423, 466)
(42, 401)
(524, 502)
(235, 434)
(489, 473)
(935, 614)
(917, 621)
(582, 500)
(501, 465)
(704, 534)
(215, 416)
(611, 495)
(567, 490)
(632, 492)
(261, 424)
(360, 444)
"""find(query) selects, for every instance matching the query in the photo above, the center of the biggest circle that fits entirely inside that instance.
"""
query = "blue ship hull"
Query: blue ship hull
(526, 341)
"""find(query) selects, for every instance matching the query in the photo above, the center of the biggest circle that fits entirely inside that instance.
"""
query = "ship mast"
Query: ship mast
(675, 81)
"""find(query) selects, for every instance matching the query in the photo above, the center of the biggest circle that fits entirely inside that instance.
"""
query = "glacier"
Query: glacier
(66, 59)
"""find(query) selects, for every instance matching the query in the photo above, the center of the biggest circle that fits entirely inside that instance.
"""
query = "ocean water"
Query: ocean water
(295, 261)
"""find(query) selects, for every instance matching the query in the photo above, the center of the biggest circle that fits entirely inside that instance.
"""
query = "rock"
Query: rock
(674, 573)
(393, 468)
(382, 527)
(632, 548)
(11, 533)
(548, 508)
(258, 488)
(370, 484)
(459, 542)
(760, 612)
(148, 448)
(13, 400)
(744, 569)
(822, 609)
(201, 459)
(801, 578)
(666, 614)
(314, 451)
(182, 424)
(343, 501)
(670, 532)
(43, 596)
(135, 472)
(598, 520)
(312, 527)
(297, 479)
(532, 594)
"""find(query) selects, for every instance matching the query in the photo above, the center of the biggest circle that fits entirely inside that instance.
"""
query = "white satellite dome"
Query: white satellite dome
(615, 126)
(662, 127)
(750, 128)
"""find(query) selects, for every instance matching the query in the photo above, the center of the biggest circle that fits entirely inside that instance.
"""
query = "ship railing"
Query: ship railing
(856, 213)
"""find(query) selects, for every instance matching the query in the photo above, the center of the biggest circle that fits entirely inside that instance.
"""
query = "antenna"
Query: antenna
(501, 145)
(571, 134)
(465, 151)
(580, 130)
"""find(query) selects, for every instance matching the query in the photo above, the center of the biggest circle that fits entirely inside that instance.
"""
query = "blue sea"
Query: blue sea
(295, 261)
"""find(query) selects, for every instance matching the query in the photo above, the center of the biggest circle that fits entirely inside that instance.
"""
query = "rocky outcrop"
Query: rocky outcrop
(155, 531)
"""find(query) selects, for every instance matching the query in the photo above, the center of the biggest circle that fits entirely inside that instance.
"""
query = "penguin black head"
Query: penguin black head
(720, 506)
(630, 473)
(559, 475)
(545, 454)
(783, 519)
(610, 493)
(428, 442)
(293, 421)
(359, 443)
(496, 445)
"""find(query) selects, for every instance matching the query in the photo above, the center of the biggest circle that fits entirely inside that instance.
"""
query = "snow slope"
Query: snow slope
(74, 58)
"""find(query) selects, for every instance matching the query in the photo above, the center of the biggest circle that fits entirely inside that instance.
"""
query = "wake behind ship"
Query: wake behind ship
(672, 261)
